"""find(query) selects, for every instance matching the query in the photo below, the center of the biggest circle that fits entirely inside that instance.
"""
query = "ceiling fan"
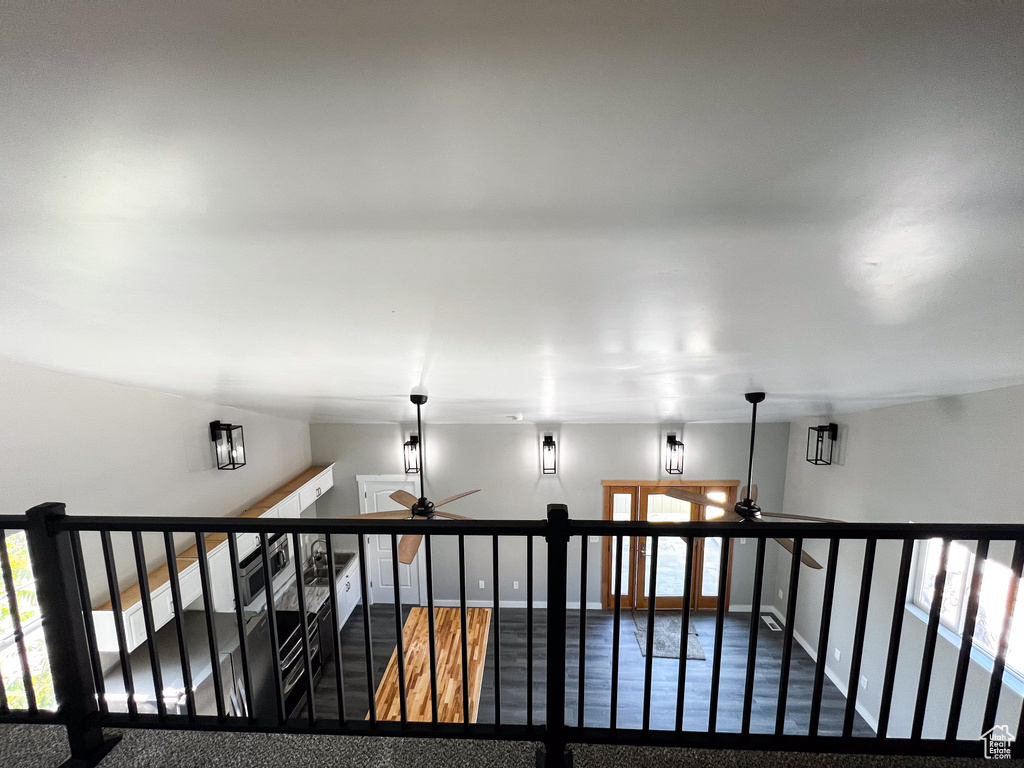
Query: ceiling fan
(747, 511)
(415, 508)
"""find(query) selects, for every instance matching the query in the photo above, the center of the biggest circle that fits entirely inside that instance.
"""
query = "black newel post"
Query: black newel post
(53, 567)
(555, 754)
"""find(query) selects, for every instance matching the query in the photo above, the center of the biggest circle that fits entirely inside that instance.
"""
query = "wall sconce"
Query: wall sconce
(412, 455)
(673, 455)
(820, 443)
(230, 445)
(548, 455)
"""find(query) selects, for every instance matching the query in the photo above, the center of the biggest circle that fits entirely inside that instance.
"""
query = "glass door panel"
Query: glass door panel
(656, 507)
(711, 552)
(620, 506)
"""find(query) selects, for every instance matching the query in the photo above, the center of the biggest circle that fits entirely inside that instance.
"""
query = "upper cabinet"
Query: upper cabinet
(288, 501)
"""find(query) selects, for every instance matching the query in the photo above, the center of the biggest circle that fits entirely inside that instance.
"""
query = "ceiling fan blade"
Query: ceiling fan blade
(394, 514)
(802, 517)
(694, 498)
(404, 498)
(453, 498)
(408, 546)
(450, 516)
(729, 517)
(753, 492)
(806, 559)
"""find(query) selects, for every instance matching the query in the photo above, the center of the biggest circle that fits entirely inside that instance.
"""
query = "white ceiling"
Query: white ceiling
(608, 211)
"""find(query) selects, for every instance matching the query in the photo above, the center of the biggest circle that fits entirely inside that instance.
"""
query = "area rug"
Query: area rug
(667, 625)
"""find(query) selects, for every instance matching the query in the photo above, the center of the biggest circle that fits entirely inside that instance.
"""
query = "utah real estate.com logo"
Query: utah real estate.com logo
(997, 743)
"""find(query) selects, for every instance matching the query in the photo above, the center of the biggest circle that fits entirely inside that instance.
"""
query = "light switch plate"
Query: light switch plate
(863, 682)
(838, 655)
(595, 539)
(515, 585)
(481, 583)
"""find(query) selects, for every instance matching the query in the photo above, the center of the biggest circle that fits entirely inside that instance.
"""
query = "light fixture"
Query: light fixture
(673, 455)
(821, 441)
(548, 455)
(230, 444)
(412, 455)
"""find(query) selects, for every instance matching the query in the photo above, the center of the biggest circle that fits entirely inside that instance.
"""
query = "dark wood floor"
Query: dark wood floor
(598, 675)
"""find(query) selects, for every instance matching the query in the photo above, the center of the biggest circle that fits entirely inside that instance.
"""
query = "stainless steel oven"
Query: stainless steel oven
(253, 577)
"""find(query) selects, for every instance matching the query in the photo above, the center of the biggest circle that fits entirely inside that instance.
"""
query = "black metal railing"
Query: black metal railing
(88, 674)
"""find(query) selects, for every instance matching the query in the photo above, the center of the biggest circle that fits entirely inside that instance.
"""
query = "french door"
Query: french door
(648, 502)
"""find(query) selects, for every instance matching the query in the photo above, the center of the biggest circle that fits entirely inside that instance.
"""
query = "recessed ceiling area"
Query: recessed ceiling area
(587, 212)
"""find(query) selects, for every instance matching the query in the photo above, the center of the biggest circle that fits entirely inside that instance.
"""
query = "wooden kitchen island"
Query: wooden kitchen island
(448, 640)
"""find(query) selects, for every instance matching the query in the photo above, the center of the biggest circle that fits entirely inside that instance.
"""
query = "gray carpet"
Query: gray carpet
(667, 625)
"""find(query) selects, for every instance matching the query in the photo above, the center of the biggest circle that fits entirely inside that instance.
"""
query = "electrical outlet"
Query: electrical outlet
(515, 585)
(780, 594)
(481, 583)
(743, 541)
(838, 655)
(863, 682)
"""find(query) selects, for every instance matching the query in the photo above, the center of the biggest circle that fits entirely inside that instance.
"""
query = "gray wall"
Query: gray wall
(503, 461)
(951, 459)
(106, 449)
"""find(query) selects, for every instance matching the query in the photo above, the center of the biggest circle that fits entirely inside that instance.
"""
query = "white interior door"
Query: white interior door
(374, 493)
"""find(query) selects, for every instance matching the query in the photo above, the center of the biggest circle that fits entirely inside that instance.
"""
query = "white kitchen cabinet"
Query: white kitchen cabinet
(348, 585)
(221, 580)
(316, 487)
(290, 507)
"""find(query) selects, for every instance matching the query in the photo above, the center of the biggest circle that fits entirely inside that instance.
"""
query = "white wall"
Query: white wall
(951, 459)
(106, 449)
(503, 461)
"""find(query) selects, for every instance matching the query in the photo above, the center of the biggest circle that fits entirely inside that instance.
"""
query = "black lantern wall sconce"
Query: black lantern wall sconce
(673, 455)
(821, 443)
(548, 455)
(229, 444)
(412, 455)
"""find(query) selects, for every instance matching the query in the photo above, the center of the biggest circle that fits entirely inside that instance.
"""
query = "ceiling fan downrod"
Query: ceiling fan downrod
(423, 507)
(747, 507)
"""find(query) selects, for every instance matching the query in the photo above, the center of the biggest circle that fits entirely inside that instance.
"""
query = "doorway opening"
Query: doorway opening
(635, 500)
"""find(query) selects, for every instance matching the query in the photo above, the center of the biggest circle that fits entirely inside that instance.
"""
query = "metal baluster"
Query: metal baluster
(147, 618)
(995, 685)
(90, 624)
(307, 657)
(122, 642)
(966, 640)
(929, 644)
(243, 639)
(858, 636)
(431, 632)
(497, 638)
(399, 632)
(581, 699)
(186, 664)
(755, 623)
(371, 686)
(615, 633)
(652, 598)
(211, 627)
(895, 632)
(19, 634)
(787, 642)
(275, 641)
(529, 630)
(462, 613)
(339, 671)
(823, 632)
(684, 634)
(716, 669)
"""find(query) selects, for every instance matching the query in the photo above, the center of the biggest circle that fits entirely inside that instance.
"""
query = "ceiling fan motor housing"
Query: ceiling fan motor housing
(423, 507)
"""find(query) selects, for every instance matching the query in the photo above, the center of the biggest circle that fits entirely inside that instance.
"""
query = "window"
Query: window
(32, 626)
(995, 585)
